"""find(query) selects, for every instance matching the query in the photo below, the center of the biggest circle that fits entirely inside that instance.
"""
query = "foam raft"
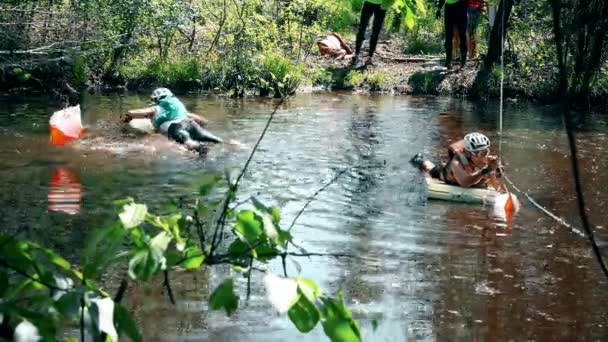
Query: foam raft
(437, 189)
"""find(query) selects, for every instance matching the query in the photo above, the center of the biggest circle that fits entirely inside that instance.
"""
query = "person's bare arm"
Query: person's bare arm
(199, 119)
(143, 113)
(463, 178)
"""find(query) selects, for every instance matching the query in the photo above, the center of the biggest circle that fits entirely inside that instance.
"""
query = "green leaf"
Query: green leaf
(248, 226)
(133, 215)
(194, 258)
(284, 237)
(304, 314)
(144, 264)
(337, 321)
(125, 323)
(208, 183)
(101, 249)
(265, 252)
(160, 242)
(69, 304)
(420, 6)
(239, 253)
(309, 288)
(276, 214)
(409, 19)
(224, 298)
(54, 257)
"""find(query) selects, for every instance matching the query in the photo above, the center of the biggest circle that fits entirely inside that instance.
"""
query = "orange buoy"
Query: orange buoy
(66, 125)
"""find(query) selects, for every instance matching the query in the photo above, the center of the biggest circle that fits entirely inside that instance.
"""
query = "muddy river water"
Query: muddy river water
(428, 270)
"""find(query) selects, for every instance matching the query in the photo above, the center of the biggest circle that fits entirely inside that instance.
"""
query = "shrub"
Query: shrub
(377, 79)
(353, 79)
(279, 75)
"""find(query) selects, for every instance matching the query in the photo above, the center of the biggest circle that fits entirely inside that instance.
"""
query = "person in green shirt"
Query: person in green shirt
(377, 9)
(169, 116)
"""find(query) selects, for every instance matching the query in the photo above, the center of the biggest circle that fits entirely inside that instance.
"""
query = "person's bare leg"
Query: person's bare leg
(427, 166)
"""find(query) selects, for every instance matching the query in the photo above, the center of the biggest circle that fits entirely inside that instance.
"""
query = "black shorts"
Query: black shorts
(189, 130)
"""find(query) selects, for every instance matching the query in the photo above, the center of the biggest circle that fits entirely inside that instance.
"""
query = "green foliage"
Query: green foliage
(353, 79)
(423, 44)
(280, 75)
(177, 74)
(377, 79)
(224, 298)
(319, 76)
(79, 71)
(151, 244)
(21, 74)
(338, 322)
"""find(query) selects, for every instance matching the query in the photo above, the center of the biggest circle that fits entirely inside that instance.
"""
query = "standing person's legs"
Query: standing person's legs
(366, 13)
(449, 32)
(379, 15)
(461, 23)
(474, 18)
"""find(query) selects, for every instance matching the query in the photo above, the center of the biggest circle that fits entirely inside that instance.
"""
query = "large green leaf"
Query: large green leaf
(125, 323)
(337, 321)
(248, 226)
(303, 314)
(133, 215)
(224, 297)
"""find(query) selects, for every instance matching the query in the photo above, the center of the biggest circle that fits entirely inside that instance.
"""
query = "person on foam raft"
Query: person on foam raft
(169, 116)
(469, 164)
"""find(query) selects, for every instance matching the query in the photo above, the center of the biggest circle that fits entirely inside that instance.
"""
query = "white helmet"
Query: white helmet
(475, 142)
(160, 93)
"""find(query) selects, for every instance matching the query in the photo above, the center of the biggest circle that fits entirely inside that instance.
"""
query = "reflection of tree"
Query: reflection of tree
(363, 193)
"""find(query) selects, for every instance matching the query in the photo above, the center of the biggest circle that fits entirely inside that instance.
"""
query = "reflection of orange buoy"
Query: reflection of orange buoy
(66, 125)
(65, 194)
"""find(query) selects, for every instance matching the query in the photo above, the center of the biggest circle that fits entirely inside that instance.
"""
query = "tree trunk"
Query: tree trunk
(559, 46)
(496, 36)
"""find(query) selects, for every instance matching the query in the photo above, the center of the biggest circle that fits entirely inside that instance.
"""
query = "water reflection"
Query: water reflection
(65, 191)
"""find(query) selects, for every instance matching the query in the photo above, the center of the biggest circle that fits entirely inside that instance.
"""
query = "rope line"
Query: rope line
(545, 210)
